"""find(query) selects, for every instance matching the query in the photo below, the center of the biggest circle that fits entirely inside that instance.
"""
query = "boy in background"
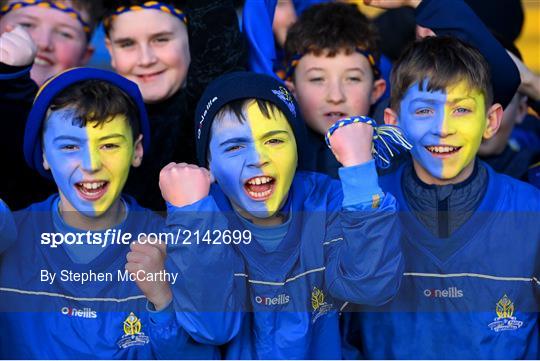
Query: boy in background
(53, 36)
(181, 48)
(465, 293)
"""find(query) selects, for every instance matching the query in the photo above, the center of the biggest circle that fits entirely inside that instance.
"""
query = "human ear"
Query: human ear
(390, 117)
(379, 86)
(138, 152)
(494, 118)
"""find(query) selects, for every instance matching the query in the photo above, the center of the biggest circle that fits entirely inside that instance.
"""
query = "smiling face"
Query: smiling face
(89, 164)
(445, 128)
(331, 88)
(60, 39)
(254, 162)
(155, 56)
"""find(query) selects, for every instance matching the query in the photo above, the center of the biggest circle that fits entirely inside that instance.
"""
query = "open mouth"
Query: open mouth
(333, 117)
(260, 188)
(39, 60)
(442, 150)
(149, 77)
(92, 191)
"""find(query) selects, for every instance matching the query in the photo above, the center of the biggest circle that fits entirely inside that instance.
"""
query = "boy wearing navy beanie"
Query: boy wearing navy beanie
(281, 249)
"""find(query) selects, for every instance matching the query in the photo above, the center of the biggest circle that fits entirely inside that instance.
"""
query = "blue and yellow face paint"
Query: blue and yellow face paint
(445, 128)
(254, 162)
(90, 164)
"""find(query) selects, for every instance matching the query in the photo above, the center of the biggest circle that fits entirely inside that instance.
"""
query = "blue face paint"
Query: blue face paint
(89, 164)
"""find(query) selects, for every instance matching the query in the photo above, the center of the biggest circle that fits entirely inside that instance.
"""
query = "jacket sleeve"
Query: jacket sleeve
(8, 231)
(456, 18)
(364, 262)
(215, 43)
(209, 295)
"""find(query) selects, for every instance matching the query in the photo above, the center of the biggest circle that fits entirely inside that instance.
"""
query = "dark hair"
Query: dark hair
(97, 101)
(331, 28)
(111, 6)
(442, 61)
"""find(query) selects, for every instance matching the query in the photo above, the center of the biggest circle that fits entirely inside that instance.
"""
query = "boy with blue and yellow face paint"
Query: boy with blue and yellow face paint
(281, 249)
(470, 238)
(73, 274)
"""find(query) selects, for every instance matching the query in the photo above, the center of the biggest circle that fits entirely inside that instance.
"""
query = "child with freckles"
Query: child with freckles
(314, 245)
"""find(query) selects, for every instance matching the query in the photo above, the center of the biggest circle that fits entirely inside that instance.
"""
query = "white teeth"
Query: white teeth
(39, 61)
(441, 149)
(93, 185)
(259, 180)
(260, 194)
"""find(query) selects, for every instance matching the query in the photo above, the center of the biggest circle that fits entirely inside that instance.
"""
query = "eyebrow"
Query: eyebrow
(235, 140)
(275, 132)
(113, 136)
(156, 35)
(67, 137)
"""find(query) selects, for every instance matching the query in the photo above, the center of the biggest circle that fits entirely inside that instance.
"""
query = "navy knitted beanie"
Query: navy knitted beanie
(246, 85)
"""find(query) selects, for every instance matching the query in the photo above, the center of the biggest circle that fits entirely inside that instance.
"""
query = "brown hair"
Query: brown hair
(442, 61)
(331, 28)
(97, 101)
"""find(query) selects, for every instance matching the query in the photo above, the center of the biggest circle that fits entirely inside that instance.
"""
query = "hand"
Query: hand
(392, 4)
(351, 144)
(17, 47)
(530, 82)
(151, 259)
(184, 184)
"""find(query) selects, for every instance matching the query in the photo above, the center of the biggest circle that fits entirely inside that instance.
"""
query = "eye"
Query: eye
(424, 112)
(66, 34)
(27, 25)
(126, 43)
(274, 141)
(354, 79)
(110, 146)
(462, 110)
(233, 148)
(162, 39)
(317, 79)
(69, 148)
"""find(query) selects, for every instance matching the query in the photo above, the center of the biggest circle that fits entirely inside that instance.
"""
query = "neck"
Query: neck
(112, 217)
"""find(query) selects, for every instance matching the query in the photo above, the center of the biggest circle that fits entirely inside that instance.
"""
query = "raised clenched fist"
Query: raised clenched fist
(351, 144)
(17, 48)
(183, 184)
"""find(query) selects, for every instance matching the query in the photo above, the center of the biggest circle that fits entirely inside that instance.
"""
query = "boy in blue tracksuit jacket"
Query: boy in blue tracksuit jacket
(470, 237)
(272, 252)
(69, 288)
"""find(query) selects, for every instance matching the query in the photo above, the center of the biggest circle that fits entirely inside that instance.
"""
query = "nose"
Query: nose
(43, 38)
(443, 127)
(91, 162)
(257, 159)
(335, 93)
(147, 56)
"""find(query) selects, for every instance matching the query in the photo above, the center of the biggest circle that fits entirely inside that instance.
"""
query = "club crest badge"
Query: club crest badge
(319, 305)
(505, 320)
(133, 335)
